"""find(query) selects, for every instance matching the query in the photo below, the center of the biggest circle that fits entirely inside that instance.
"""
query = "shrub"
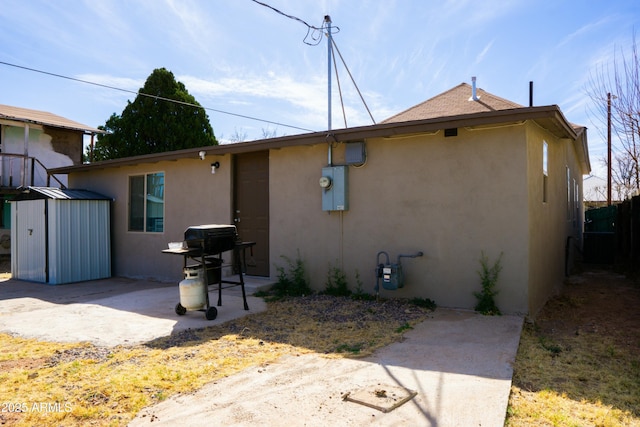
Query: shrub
(359, 293)
(336, 284)
(489, 279)
(292, 281)
(427, 303)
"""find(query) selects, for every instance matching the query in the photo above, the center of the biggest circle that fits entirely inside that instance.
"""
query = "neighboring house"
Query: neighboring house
(31, 142)
(453, 177)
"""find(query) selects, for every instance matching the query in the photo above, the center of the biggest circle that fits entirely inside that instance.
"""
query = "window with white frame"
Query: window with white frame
(146, 202)
(569, 198)
(576, 202)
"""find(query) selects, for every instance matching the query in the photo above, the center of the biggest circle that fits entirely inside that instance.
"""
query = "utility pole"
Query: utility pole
(609, 149)
(327, 21)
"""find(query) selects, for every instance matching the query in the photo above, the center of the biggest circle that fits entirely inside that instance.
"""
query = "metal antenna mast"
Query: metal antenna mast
(327, 21)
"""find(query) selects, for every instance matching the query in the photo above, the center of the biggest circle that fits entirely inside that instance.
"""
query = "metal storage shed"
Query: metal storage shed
(60, 236)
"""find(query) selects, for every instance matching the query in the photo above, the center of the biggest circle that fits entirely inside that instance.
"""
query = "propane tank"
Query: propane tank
(193, 293)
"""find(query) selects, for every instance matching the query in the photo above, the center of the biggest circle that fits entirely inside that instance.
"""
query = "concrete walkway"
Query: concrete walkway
(111, 312)
(458, 363)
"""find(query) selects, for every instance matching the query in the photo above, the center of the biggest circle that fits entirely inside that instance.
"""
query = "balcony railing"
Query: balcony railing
(20, 171)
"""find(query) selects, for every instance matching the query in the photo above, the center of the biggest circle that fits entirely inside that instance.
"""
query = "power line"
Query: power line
(333, 46)
(153, 96)
(295, 18)
(313, 32)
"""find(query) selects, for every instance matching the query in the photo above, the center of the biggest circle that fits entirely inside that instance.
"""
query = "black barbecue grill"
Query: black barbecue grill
(211, 239)
(204, 245)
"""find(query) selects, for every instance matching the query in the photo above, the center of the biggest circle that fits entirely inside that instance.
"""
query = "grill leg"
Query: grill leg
(237, 263)
(205, 273)
(220, 282)
(240, 259)
(244, 295)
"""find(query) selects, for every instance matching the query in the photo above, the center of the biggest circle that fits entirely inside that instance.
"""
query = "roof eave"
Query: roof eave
(582, 149)
(549, 117)
(86, 130)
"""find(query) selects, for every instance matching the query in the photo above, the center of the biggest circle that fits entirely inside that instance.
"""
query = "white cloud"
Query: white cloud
(272, 87)
(191, 27)
(585, 30)
(102, 12)
(483, 53)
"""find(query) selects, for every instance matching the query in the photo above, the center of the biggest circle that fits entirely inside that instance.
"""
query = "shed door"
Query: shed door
(251, 208)
(29, 242)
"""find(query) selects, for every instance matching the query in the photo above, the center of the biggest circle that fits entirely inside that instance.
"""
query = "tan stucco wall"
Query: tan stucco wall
(549, 223)
(192, 196)
(451, 198)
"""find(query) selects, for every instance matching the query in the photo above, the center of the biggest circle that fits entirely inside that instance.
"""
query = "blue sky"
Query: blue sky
(243, 58)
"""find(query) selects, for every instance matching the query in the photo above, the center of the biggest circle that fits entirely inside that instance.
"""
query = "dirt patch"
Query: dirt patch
(26, 364)
(579, 362)
(97, 354)
(596, 304)
(320, 323)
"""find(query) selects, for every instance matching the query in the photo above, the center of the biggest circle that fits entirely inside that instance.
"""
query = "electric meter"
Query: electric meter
(325, 182)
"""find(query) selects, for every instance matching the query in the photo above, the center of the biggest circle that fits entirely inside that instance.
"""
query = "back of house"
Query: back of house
(462, 175)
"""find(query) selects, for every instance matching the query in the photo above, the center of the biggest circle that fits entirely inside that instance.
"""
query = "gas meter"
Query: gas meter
(390, 274)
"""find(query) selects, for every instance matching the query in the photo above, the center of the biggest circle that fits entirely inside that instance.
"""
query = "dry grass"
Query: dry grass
(83, 384)
(579, 364)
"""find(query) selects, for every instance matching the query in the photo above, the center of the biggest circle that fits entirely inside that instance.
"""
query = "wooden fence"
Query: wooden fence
(612, 235)
(628, 233)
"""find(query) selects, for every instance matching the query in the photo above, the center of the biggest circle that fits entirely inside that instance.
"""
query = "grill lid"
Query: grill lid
(213, 238)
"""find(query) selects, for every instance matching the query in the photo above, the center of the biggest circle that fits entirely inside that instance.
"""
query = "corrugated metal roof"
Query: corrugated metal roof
(36, 193)
(8, 112)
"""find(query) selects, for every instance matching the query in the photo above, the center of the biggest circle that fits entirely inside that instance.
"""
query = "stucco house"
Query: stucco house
(462, 174)
(32, 141)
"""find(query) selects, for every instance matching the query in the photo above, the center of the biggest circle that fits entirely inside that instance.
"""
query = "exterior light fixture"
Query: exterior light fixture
(214, 166)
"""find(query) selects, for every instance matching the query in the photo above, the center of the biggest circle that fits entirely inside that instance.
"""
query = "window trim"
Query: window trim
(145, 207)
(569, 194)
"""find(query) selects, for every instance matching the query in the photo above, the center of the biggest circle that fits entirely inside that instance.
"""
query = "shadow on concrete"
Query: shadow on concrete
(108, 312)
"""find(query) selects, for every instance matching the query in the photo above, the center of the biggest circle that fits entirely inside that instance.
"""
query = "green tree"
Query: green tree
(153, 124)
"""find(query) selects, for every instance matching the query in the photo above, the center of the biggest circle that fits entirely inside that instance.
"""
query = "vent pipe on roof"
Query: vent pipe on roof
(531, 94)
(474, 94)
